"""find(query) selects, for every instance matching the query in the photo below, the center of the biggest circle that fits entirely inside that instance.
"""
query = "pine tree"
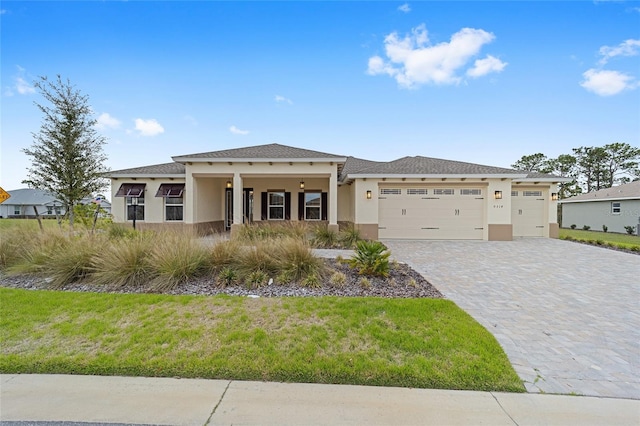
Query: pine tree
(67, 157)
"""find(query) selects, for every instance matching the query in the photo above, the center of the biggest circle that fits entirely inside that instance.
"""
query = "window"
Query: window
(470, 192)
(137, 210)
(173, 200)
(49, 210)
(390, 191)
(440, 191)
(616, 208)
(417, 191)
(16, 210)
(275, 205)
(532, 193)
(173, 207)
(312, 205)
(514, 193)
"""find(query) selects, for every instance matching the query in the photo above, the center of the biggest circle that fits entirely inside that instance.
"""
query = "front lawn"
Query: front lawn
(426, 343)
(624, 241)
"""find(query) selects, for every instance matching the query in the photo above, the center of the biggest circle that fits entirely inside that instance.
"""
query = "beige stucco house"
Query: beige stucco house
(408, 198)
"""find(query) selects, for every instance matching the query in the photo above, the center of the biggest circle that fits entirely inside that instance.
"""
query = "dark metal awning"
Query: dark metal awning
(170, 190)
(131, 190)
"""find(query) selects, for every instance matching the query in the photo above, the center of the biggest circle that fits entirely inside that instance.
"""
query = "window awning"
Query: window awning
(170, 190)
(131, 190)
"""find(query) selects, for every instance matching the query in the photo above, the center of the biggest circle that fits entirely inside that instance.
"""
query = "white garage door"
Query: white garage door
(527, 213)
(438, 213)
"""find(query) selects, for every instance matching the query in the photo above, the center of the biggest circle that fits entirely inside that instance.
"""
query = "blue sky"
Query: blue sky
(483, 82)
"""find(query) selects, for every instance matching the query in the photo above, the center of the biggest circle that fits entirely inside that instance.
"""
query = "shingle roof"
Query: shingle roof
(156, 169)
(273, 150)
(30, 197)
(433, 166)
(628, 190)
(354, 165)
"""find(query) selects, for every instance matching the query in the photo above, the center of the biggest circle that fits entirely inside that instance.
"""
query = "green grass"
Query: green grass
(423, 343)
(629, 242)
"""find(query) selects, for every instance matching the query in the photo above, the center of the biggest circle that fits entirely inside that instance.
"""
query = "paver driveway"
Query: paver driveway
(566, 314)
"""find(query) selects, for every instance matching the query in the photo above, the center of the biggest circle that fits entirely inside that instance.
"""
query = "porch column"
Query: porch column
(333, 200)
(237, 202)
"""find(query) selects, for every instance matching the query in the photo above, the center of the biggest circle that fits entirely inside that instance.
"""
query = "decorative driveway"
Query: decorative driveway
(566, 314)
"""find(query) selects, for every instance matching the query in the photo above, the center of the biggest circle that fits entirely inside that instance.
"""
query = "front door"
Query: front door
(247, 207)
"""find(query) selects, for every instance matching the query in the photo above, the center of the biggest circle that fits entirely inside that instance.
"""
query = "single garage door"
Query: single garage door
(527, 213)
(437, 213)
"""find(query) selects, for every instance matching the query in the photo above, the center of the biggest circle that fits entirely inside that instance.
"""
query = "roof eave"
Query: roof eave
(551, 180)
(183, 160)
(569, 201)
(431, 176)
(146, 175)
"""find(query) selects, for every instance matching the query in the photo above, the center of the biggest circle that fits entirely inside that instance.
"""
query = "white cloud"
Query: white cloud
(607, 83)
(106, 121)
(629, 47)
(485, 66)
(236, 131)
(149, 127)
(23, 87)
(413, 60)
(405, 8)
(279, 98)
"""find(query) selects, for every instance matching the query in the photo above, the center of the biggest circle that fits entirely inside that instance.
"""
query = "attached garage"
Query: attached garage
(443, 212)
(528, 212)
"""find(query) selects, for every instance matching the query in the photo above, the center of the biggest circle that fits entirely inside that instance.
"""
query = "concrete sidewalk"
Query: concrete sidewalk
(166, 401)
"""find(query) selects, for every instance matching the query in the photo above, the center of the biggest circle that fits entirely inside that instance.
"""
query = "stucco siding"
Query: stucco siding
(153, 206)
(598, 213)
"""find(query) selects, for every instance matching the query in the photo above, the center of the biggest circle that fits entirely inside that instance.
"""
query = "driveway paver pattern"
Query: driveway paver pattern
(566, 314)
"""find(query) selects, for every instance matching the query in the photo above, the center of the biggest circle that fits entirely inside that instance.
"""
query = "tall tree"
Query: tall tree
(621, 162)
(67, 157)
(533, 163)
(591, 163)
(566, 166)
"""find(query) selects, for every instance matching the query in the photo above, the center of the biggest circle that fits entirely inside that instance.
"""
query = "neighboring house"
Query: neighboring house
(22, 201)
(614, 207)
(411, 197)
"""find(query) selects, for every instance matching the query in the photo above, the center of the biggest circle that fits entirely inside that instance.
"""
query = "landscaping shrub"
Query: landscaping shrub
(371, 258)
(311, 281)
(227, 276)
(323, 237)
(176, 257)
(338, 279)
(295, 259)
(224, 254)
(256, 279)
(586, 227)
(124, 262)
(269, 231)
(257, 257)
(348, 237)
(630, 229)
(23, 249)
(573, 226)
(73, 261)
(604, 228)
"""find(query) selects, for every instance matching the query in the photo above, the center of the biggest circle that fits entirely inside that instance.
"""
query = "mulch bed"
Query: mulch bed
(402, 282)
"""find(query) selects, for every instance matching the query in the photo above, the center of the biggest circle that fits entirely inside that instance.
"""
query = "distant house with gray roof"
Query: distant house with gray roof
(412, 197)
(614, 207)
(24, 202)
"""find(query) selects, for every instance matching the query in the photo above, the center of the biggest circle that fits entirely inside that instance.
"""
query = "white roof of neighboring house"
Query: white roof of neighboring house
(628, 191)
(30, 197)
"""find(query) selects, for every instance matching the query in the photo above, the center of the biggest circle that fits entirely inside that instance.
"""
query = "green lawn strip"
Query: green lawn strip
(630, 242)
(422, 343)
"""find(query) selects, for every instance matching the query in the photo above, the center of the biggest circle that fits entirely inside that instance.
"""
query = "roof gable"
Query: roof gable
(270, 151)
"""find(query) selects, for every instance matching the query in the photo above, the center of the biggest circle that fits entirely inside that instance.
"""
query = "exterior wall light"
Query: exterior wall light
(554, 196)
(497, 195)
(368, 194)
(229, 184)
(301, 184)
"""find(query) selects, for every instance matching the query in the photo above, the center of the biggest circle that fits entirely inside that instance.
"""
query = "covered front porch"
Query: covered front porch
(224, 201)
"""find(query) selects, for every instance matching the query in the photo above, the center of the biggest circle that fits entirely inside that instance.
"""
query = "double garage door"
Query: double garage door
(429, 212)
